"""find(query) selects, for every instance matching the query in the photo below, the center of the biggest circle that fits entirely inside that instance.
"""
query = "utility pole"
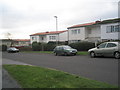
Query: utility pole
(57, 38)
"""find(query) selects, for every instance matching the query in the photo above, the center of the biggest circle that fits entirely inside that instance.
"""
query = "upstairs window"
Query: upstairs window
(42, 38)
(33, 38)
(111, 29)
(52, 37)
(76, 31)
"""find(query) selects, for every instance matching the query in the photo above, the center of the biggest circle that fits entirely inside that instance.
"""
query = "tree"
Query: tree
(9, 37)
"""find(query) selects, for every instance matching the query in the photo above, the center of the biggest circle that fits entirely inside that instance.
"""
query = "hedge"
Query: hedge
(25, 48)
(82, 46)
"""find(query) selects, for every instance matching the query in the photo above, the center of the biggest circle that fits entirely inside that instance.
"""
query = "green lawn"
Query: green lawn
(82, 53)
(38, 77)
(50, 52)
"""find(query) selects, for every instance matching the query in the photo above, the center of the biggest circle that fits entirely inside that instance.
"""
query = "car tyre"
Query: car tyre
(117, 55)
(65, 54)
(55, 54)
(74, 54)
(92, 54)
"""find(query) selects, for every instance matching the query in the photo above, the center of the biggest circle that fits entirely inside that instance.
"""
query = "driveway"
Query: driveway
(101, 69)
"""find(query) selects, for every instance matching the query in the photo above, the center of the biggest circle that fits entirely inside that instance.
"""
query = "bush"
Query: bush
(49, 46)
(36, 46)
(25, 48)
(82, 46)
(3, 48)
(45, 46)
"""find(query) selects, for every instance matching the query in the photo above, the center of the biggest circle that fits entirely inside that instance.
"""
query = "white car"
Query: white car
(12, 49)
(106, 49)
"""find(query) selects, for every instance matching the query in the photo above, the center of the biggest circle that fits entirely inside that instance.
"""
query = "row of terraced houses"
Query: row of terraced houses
(92, 32)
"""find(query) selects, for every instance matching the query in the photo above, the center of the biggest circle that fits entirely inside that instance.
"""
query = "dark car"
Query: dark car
(12, 49)
(64, 50)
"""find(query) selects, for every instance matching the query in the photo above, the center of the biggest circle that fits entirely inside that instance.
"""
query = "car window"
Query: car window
(67, 47)
(60, 48)
(102, 45)
(111, 45)
(57, 48)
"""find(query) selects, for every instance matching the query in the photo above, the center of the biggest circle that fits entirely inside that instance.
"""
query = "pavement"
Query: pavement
(7, 80)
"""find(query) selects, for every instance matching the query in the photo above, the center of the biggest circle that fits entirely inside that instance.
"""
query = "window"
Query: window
(110, 29)
(77, 31)
(117, 28)
(42, 38)
(102, 45)
(52, 37)
(33, 38)
(111, 45)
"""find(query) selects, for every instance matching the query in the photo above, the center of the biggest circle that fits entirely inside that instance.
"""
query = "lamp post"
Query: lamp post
(57, 38)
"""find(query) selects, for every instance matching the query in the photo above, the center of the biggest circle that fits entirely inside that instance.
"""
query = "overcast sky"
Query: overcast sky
(24, 17)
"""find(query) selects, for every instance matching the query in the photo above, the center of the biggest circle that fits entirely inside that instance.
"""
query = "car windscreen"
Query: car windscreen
(13, 48)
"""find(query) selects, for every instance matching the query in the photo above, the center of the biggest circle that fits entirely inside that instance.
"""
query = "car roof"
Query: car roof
(113, 42)
(61, 45)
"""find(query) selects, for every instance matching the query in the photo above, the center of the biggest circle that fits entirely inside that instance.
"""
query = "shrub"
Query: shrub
(82, 46)
(25, 48)
(36, 46)
(49, 46)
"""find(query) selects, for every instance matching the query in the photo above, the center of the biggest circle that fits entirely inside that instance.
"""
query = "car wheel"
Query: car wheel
(65, 54)
(74, 54)
(92, 54)
(55, 54)
(117, 55)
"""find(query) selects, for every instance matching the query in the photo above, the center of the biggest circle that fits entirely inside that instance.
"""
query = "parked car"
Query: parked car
(106, 49)
(64, 50)
(12, 49)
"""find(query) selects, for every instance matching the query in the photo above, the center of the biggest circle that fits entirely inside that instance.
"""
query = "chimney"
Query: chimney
(47, 32)
(97, 21)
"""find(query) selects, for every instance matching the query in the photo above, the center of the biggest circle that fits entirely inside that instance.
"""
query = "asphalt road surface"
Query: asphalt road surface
(101, 69)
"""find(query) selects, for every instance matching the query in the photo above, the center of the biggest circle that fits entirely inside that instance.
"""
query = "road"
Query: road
(101, 69)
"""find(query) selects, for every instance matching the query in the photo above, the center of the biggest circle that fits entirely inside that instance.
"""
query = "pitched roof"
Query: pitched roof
(82, 25)
(116, 20)
(21, 39)
(47, 33)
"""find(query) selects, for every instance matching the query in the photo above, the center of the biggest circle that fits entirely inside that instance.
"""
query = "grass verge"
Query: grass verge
(37, 77)
(51, 52)
(82, 53)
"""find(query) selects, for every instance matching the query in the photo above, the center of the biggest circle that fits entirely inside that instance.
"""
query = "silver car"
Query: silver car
(106, 49)
(12, 49)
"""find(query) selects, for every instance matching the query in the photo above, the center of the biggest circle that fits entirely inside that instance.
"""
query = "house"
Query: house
(15, 42)
(110, 29)
(7, 42)
(45, 37)
(95, 31)
(84, 32)
(22, 42)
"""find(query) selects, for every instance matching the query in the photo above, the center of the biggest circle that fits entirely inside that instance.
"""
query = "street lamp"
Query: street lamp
(57, 39)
